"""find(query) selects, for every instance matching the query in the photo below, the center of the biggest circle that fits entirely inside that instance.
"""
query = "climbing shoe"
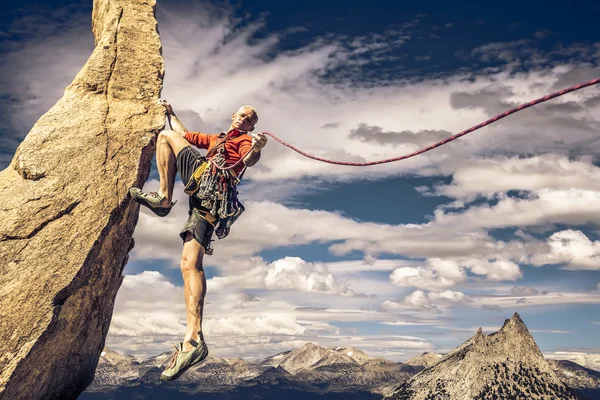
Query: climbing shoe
(182, 360)
(151, 200)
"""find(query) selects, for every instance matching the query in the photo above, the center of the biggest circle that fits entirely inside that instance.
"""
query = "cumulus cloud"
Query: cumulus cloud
(441, 273)
(148, 304)
(447, 298)
(488, 177)
(438, 273)
(547, 206)
(269, 325)
(433, 301)
(289, 273)
(150, 315)
(572, 248)
(491, 307)
(284, 226)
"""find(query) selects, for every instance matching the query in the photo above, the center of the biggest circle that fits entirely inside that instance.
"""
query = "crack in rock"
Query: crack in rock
(41, 226)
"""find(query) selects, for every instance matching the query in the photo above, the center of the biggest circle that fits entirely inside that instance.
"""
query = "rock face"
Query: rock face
(67, 219)
(504, 365)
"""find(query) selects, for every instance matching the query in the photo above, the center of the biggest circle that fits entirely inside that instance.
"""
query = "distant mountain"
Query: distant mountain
(585, 380)
(310, 369)
(425, 360)
(503, 365)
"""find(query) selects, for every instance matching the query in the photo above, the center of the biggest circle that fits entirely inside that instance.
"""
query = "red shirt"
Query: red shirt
(237, 146)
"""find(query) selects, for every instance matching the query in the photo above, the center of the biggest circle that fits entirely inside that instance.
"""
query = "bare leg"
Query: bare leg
(168, 145)
(194, 288)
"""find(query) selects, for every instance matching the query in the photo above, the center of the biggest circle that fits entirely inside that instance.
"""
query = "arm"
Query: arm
(258, 142)
(198, 139)
(174, 122)
(252, 157)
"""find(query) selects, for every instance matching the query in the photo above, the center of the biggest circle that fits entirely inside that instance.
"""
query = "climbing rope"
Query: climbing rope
(433, 146)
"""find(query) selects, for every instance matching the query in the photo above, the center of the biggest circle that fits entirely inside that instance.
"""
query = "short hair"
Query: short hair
(253, 112)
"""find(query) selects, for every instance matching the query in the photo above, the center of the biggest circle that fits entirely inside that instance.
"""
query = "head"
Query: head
(245, 118)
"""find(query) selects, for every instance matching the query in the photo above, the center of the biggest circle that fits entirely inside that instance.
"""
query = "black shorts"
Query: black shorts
(188, 159)
(200, 228)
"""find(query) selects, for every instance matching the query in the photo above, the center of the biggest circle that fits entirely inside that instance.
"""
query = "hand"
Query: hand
(167, 105)
(259, 141)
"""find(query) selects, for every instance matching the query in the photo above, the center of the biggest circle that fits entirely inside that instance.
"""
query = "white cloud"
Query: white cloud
(494, 270)
(490, 176)
(274, 324)
(438, 273)
(284, 274)
(572, 248)
(148, 304)
(267, 225)
(150, 315)
(569, 206)
(590, 360)
(548, 299)
(447, 298)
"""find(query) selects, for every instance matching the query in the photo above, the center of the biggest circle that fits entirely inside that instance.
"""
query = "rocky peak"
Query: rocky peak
(312, 356)
(504, 364)
(514, 325)
(512, 339)
(302, 358)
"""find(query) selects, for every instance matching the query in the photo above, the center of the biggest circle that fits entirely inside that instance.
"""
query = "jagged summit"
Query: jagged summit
(504, 364)
(515, 323)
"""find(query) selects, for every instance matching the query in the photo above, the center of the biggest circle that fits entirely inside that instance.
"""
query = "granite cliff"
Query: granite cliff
(67, 219)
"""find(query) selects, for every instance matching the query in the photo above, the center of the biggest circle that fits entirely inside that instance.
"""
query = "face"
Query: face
(243, 119)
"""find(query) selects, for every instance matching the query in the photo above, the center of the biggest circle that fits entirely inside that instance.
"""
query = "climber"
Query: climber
(213, 207)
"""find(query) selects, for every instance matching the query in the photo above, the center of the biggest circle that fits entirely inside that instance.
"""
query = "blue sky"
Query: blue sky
(395, 259)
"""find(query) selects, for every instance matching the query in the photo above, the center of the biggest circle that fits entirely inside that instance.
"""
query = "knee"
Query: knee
(189, 264)
(163, 136)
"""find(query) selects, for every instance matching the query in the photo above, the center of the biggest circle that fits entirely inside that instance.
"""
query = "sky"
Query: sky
(395, 259)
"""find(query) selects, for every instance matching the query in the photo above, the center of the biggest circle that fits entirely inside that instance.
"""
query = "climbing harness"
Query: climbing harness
(214, 186)
(447, 140)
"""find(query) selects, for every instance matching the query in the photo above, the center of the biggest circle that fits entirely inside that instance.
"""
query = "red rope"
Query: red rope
(438, 144)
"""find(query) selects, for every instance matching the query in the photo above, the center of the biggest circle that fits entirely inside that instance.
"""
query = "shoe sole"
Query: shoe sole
(160, 211)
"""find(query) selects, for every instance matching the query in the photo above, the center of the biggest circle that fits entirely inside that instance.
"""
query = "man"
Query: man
(213, 203)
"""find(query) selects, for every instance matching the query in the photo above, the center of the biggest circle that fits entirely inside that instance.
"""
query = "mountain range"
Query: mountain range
(503, 365)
